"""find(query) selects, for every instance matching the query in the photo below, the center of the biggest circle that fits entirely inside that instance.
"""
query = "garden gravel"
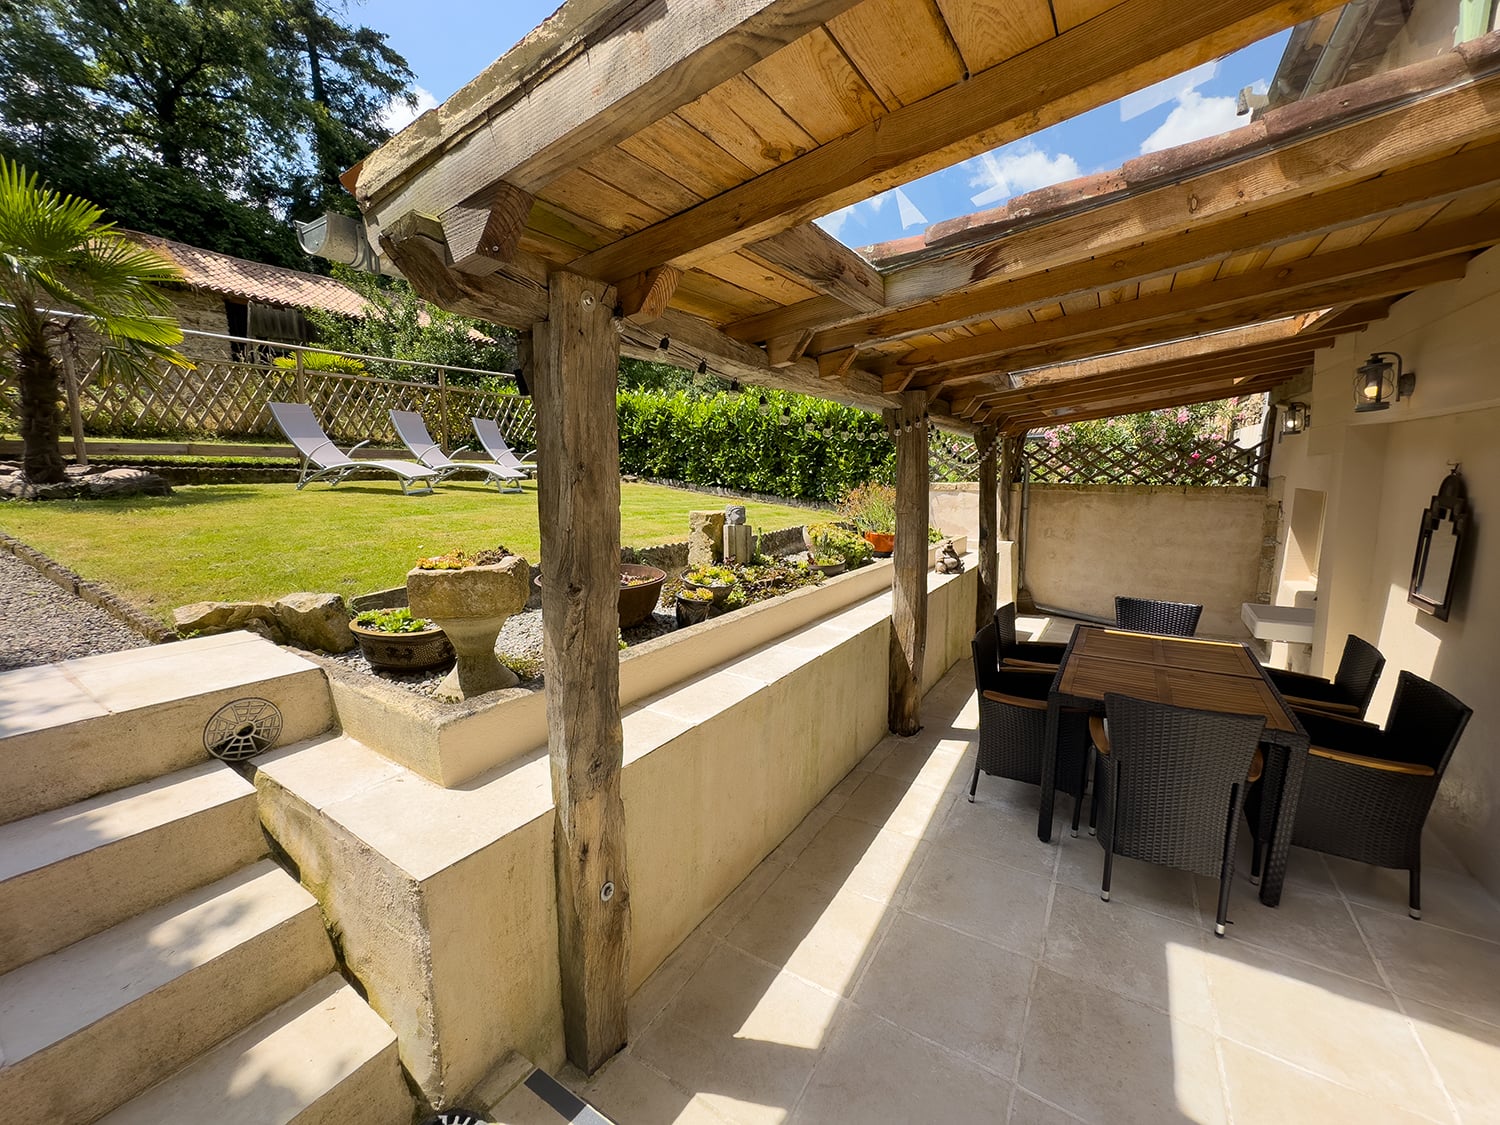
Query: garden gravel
(40, 623)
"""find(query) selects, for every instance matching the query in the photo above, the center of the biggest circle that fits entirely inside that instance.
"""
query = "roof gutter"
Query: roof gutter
(341, 239)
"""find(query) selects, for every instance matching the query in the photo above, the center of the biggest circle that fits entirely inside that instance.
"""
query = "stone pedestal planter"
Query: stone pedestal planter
(470, 605)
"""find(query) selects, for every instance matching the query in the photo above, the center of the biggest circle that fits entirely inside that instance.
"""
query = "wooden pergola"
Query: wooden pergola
(639, 177)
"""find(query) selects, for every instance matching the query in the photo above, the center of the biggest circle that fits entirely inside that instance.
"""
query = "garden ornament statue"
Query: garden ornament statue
(948, 561)
(739, 543)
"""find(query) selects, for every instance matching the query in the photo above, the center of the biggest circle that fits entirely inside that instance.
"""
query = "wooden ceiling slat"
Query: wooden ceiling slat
(1408, 221)
(1346, 238)
(1129, 46)
(813, 84)
(675, 149)
(706, 296)
(609, 209)
(1193, 277)
(1136, 404)
(988, 32)
(1071, 13)
(756, 276)
(901, 49)
(650, 185)
(1236, 264)
(741, 119)
(1020, 404)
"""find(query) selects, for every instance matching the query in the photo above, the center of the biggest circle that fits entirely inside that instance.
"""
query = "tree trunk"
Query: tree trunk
(41, 418)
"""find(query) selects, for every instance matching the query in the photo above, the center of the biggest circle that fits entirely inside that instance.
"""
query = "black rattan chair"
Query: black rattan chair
(1013, 725)
(1035, 655)
(1366, 791)
(1171, 785)
(1349, 691)
(1143, 615)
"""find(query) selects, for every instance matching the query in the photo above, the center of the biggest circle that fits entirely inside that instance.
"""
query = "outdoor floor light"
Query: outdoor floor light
(1375, 384)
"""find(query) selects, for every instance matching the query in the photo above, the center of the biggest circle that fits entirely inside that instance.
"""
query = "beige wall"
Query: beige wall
(1376, 473)
(1085, 544)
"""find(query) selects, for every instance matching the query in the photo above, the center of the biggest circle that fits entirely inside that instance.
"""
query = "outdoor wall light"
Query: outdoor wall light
(1375, 383)
(1296, 418)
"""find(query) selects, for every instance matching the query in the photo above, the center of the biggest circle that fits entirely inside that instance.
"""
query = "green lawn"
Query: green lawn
(251, 541)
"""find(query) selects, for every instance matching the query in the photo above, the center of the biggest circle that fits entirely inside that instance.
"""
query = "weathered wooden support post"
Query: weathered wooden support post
(908, 425)
(446, 436)
(75, 407)
(988, 444)
(575, 365)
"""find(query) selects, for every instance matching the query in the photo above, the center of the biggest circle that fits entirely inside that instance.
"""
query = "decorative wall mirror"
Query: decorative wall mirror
(1440, 542)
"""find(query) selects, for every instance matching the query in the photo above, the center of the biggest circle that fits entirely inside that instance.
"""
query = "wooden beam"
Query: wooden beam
(787, 350)
(576, 361)
(836, 365)
(812, 255)
(1115, 388)
(909, 586)
(499, 298)
(645, 296)
(986, 439)
(1021, 422)
(547, 107)
(484, 231)
(1123, 48)
(815, 313)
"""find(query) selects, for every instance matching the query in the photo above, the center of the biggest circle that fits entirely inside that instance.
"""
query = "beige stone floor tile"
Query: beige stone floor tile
(1437, 966)
(1315, 928)
(898, 806)
(806, 927)
(740, 1080)
(1267, 1091)
(1305, 870)
(1466, 1054)
(877, 755)
(522, 1107)
(952, 988)
(789, 849)
(874, 1071)
(860, 857)
(1146, 957)
(838, 796)
(1113, 1061)
(151, 676)
(38, 698)
(627, 1091)
(980, 897)
(1341, 1029)
(981, 829)
(1450, 899)
(728, 913)
(1146, 886)
(932, 766)
(657, 991)
(1028, 1109)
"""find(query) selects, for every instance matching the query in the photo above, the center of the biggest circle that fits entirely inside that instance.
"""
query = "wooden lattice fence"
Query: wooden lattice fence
(1208, 462)
(229, 399)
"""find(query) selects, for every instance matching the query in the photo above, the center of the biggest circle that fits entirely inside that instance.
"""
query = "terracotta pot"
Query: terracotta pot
(403, 652)
(881, 542)
(637, 602)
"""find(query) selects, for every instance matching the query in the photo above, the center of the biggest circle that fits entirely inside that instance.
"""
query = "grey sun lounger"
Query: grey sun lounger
(413, 432)
(322, 460)
(487, 430)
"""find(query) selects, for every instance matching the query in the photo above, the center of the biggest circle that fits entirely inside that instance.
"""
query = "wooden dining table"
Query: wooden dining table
(1185, 672)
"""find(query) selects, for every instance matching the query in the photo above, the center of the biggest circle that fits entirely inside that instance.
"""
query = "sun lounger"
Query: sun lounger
(322, 460)
(413, 432)
(489, 435)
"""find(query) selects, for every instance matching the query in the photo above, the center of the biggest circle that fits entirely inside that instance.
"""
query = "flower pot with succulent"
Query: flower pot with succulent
(470, 597)
(719, 581)
(694, 604)
(871, 508)
(833, 549)
(394, 640)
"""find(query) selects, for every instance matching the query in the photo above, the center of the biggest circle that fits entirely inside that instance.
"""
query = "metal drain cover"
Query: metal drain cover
(242, 728)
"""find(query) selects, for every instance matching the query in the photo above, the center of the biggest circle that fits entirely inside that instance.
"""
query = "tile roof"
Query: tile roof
(255, 281)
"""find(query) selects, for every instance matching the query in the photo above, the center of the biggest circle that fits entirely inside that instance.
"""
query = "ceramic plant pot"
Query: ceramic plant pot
(637, 601)
(881, 542)
(691, 611)
(403, 652)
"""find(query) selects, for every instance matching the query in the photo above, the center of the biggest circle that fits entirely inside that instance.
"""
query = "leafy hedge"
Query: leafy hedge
(781, 444)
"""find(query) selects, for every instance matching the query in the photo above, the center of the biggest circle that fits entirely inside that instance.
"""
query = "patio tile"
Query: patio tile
(626, 1090)
(898, 806)
(41, 697)
(931, 766)
(662, 986)
(838, 796)
(982, 830)
(1450, 899)
(1311, 927)
(1341, 1029)
(1028, 1109)
(961, 992)
(1142, 956)
(788, 850)
(1146, 886)
(860, 857)
(1268, 1091)
(875, 1071)
(1434, 965)
(1113, 1061)
(738, 902)
(823, 936)
(1466, 1054)
(982, 898)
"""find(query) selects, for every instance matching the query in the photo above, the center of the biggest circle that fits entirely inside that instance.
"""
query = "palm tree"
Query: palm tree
(62, 269)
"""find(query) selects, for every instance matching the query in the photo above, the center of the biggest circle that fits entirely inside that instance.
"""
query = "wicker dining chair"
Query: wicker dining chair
(1171, 786)
(1014, 653)
(1013, 725)
(1366, 792)
(1144, 615)
(1350, 690)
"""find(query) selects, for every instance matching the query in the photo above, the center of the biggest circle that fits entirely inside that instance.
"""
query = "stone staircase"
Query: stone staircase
(155, 963)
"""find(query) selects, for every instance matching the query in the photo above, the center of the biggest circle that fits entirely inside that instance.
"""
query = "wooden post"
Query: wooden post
(445, 436)
(576, 362)
(1009, 471)
(909, 590)
(989, 538)
(301, 379)
(75, 409)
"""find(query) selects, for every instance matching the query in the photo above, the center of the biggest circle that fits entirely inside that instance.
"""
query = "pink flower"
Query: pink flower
(1195, 456)
(1182, 416)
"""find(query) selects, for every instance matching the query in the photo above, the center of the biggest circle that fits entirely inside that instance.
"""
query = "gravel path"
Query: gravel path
(40, 623)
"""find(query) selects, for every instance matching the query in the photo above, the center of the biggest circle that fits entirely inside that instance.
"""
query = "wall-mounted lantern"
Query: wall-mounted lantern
(1296, 418)
(1378, 380)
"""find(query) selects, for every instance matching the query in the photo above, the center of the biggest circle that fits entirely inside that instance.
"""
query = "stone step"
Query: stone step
(68, 873)
(73, 730)
(87, 1028)
(322, 1059)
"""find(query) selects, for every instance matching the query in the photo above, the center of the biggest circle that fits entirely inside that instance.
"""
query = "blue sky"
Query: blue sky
(448, 42)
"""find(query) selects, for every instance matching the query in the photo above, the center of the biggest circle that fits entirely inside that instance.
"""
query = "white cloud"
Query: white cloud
(1018, 168)
(834, 222)
(397, 114)
(1168, 89)
(1193, 118)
